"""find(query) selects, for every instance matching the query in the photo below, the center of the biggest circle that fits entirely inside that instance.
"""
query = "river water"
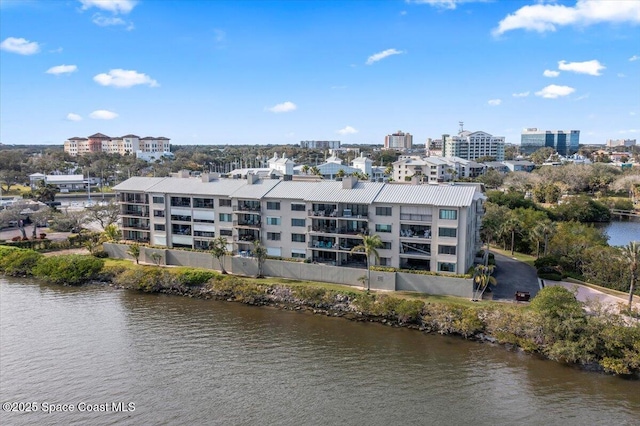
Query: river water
(183, 361)
(622, 232)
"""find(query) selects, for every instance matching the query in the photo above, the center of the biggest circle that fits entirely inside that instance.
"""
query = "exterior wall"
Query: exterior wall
(564, 142)
(388, 281)
(122, 146)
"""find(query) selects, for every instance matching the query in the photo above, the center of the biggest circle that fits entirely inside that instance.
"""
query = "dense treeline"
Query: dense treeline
(555, 325)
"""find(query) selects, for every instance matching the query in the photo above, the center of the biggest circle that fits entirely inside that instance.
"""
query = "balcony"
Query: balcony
(416, 250)
(139, 213)
(246, 238)
(255, 224)
(423, 232)
(247, 207)
(416, 217)
(128, 199)
(323, 244)
(136, 225)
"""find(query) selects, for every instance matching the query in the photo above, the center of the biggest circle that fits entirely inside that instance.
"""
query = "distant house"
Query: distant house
(65, 183)
(519, 165)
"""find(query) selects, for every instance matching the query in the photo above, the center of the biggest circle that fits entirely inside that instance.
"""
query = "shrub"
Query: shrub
(194, 277)
(100, 254)
(70, 269)
(19, 263)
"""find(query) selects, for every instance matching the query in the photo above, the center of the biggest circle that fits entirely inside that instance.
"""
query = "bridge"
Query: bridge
(625, 213)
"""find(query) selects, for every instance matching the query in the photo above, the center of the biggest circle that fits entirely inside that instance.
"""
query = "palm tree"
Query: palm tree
(538, 235)
(631, 254)
(260, 253)
(305, 169)
(315, 171)
(549, 229)
(388, 170)
(482, 278)
(511, 226)
(111, 233)
(219, 250)
(369, 245)
(340, 174)
(134, 251)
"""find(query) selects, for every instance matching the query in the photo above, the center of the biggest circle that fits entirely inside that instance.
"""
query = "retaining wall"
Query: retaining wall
(247, 266)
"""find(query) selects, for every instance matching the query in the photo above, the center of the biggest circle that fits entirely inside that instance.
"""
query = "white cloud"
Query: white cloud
(629, 131)
(113, 6)
(104, 21)
(634, 58)
(62, 69)
(521, 95)
(551, 73)
(443, 4)
(381, 55)
(124, 78)
(621, 75)
(20, 46)
(347, 131)
(547, 17)
(219, 35)
(554, 91)
(58, 50)
(579, 98)
(103, 114)
(73, 117)
(283, 107)
(592, 67)
(494, 102)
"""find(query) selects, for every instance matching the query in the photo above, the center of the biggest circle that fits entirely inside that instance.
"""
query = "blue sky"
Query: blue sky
(257, 72)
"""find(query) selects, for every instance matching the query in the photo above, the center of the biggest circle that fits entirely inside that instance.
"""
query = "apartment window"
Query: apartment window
(446, 249)
(383, 211)
(273, 221)
(158, 213)
(226, 232)
(298, 207)
(158, 200)
(181, 201)
(224, 202)
(447, 232)
(181, 218)
(298, 222)
(159, 227)
(226, 217)
(204, 234)
(298, 238)
(386, 245)
(298, 255)
(273, 236)
(273, 205)
(446, 267)
(385, 261)
(383, 228)
(203, 203)
(448, 214)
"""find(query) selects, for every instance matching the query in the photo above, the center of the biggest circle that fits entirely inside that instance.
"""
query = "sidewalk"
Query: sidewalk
(586, 294)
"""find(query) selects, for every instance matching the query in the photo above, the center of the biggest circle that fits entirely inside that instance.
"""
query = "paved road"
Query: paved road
(588, 294)
(513, 275)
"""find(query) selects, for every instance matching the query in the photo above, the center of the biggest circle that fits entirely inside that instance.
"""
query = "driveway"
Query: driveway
(513, 275)
(588, 294)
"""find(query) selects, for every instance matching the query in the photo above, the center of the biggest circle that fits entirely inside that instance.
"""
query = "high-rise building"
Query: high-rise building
(563, 142)
(399, 140)
(473, 145)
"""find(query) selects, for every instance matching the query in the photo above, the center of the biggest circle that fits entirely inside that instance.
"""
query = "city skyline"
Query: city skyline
(284, 72)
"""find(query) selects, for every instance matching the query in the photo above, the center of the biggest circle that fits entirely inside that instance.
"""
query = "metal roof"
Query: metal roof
(255, 191)
(292, 190)
(137, 183)
(437, 195)
(332, 192)
(195, 186)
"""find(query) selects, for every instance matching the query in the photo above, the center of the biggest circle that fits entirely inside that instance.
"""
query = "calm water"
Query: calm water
(184, 361)
(622, 233)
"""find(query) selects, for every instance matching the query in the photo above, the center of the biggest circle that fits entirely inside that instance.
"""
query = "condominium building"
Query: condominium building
(614, 143)
(563, 142)
(473, 145)
(128, 144)
(429, 227)
(399, 140)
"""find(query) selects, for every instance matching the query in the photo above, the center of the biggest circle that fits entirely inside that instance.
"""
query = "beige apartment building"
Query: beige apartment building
(428, 227)
(128, 144)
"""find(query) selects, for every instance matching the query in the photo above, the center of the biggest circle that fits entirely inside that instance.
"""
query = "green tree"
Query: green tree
(369, 246)
(111, 233)
(315, 171)
(105, 215)
(305, 169)
(510, 227)
(134, 251)
(44, 193)
(482, 278)
(631, 254)
(218, 248)
(260, 253)
(388, 170)
(340, 174)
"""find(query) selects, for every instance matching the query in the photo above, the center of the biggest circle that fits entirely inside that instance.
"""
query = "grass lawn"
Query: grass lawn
(18, 190)
(526, 258)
